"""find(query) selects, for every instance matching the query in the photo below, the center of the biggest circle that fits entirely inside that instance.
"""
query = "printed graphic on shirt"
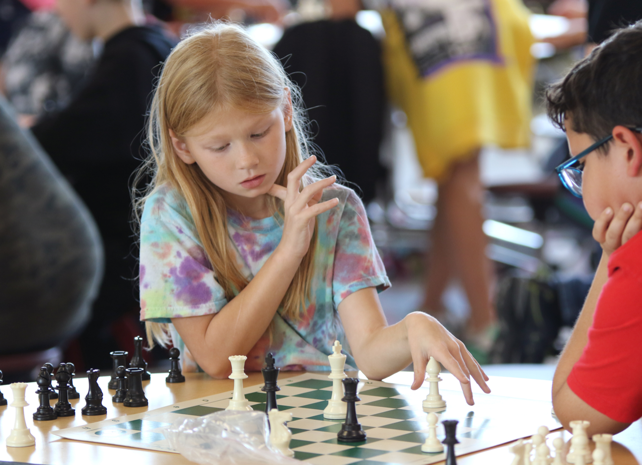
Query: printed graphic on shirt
(440, 32)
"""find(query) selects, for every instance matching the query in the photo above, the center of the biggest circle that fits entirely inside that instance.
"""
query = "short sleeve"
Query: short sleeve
(608, 375)
(357, 263)
(176, 278)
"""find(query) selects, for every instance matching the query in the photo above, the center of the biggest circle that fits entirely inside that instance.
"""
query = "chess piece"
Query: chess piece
(603, 443)
(137, 360)
(579, 442)
(336, 409)
(52, 393)
(518, 450)
(238, 401)
(599, 457)
(121, 385)
(351, 430)
(120, 359)
(94, 397)
(432, 444)
(44, 412)
(434, 401)
(451, 439)
(135, 394)
(542, 454)
(528, 448)
(270, 375)
(63, 407)
(558, 444)
(280, 434)
(543, 431)
(175, 375)
(20, 435)
(3, 401)
(72, 393)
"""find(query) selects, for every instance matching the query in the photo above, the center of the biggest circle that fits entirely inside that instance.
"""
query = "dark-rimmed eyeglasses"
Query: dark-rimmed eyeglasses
(570, 172)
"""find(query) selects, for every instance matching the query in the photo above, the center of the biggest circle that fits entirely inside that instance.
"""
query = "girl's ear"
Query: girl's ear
(180, 147)
(630, 141)
(288, 112)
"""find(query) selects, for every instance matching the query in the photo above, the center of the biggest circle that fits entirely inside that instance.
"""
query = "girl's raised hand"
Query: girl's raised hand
(428, 338)
(301, 208)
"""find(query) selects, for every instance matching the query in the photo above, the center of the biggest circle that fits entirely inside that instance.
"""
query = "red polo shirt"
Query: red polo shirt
(608, 375)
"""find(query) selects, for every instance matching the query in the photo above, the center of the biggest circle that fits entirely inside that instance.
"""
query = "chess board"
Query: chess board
(391, 415)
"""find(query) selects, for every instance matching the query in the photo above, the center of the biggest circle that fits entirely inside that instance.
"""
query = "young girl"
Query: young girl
(245, 248)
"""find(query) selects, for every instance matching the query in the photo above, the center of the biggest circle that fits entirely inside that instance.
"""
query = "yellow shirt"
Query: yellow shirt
(475, 93)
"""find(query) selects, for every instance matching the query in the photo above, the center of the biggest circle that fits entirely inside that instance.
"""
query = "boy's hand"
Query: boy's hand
(612, 231)
(301, 208)
(427, 337)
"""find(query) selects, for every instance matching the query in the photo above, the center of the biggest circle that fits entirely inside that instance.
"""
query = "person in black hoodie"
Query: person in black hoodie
(96, 140)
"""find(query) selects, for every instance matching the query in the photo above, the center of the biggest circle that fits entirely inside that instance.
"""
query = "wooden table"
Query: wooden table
(50, 449)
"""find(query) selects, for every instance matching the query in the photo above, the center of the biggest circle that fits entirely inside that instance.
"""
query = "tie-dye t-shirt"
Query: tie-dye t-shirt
(177, 280)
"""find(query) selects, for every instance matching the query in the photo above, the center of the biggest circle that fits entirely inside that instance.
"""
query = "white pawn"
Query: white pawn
(336, 409)
(432, 444)
(603, 443)
(238, 401)
(433, 401)
(599, 457)
(20, 435)
(280, 434)
(518, 450)
(543, 431)
(542, 455)
(528, 447)
(537, 439)
(558, 443)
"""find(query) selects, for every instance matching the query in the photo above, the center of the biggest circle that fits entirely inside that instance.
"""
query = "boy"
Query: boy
(599, 105)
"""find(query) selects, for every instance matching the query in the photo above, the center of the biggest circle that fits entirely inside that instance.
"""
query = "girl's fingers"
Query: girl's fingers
(476, 371)
(319, 208)
(294, 177)
(634, 225)
(279, 192)
(306, 195)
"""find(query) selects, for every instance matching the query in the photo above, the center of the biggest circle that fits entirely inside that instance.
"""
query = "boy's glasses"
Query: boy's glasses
(570, 172)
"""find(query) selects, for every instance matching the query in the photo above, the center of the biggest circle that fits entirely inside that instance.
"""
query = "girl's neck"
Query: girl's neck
(255, 208)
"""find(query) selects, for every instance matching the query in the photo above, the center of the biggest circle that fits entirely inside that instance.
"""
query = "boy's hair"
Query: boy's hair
(604, 89)
(215, 67)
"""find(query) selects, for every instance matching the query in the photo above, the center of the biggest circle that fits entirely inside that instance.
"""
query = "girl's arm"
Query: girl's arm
(381, 350)
(237, 327)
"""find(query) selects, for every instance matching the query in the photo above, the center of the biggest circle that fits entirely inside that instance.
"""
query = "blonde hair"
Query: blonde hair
(214, 67)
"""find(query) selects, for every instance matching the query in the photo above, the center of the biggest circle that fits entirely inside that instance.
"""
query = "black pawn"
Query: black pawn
(120, 359)
(451, 439)
(135, 395)
(63, 407)
(351, 430)
(94, 397)
(121, 385)
(137, 360)
(175, 375)
(44, 412)
(50, 368)
(270, 375)
(3, 401)
(72, 393)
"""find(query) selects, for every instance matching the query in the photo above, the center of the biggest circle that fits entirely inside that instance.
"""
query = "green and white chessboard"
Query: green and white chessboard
(391, 415)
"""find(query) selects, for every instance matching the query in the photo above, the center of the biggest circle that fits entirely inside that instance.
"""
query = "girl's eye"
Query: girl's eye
(258, 136)
(221, 148)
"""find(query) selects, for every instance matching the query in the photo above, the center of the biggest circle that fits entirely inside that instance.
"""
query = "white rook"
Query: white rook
(20, 435)
(238, 402)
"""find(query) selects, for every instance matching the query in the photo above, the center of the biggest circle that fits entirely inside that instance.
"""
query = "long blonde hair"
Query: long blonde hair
(216, 66)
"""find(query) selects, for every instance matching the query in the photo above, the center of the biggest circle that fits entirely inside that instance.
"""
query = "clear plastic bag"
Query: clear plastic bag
(228, 438)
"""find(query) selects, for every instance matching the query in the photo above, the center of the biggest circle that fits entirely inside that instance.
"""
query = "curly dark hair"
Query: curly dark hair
(604, 89)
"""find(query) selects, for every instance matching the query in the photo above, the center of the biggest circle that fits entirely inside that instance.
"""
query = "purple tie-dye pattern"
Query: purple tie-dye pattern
(346, 260)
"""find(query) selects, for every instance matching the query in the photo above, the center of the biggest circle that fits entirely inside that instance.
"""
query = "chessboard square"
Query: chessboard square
(314, 436)
(289, 391)
(399, 414)
(307, 424)
(381, 392)
(332, 460)
(323, 448)
(140, 425)
(198, 410)
(317, 405)
(320, 417)
(416, 437)
(382, 433)
(302, 412)
(312, 384)
(334, 428)
(304, 455)
(401, 458)
(389, 445)
(316, 394)
(256, 397)
(376, 422)
(296, 443)
(390, 403)
(258, 407)
(367, 400)
(369, 410)
(296, 401)
(405, 426)
(360, 452)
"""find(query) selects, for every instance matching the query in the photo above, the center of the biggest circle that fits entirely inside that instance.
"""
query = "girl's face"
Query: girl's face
(241, 153)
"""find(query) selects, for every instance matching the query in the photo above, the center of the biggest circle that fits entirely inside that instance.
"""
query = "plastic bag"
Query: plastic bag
(228, 437)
